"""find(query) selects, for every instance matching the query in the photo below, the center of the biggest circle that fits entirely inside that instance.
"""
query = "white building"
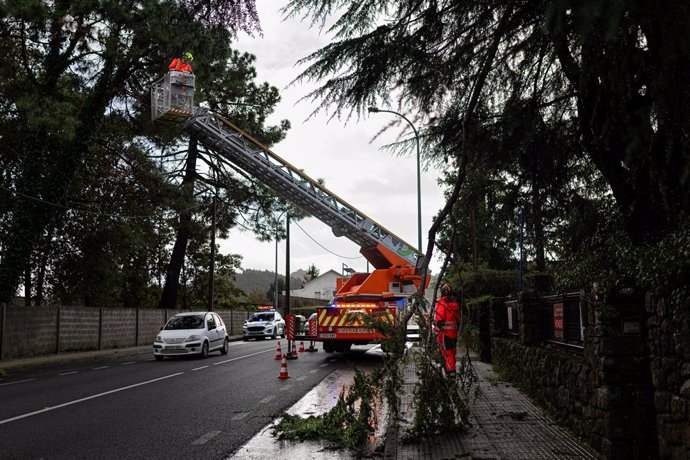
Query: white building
(321, 287)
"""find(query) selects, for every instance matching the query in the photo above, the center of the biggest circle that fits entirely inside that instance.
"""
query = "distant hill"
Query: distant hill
(251, 280)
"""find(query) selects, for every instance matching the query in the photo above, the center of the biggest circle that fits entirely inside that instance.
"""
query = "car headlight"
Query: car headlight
(158, 339)
(192, 338)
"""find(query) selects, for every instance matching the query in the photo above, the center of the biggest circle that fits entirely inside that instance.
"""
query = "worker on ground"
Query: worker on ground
(181, 64)
(447, 327)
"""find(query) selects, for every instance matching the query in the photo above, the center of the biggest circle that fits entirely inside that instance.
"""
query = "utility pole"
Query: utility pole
(212, 267)
(287, 275)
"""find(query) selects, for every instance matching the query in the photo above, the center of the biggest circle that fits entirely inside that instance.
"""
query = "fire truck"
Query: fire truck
(384, 294)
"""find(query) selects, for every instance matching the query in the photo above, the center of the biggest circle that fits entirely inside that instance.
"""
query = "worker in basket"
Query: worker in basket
(447, 327)
(182, 64)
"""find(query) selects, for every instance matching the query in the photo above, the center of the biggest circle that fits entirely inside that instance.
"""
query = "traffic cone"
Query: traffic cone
(279, 352)
(283, 370)
(301, 346)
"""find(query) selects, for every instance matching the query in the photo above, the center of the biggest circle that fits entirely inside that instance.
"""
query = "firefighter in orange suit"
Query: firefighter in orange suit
(447, 326)
(181, 64)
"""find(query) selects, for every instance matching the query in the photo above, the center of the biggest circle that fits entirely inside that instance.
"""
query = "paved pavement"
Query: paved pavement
(504, 424)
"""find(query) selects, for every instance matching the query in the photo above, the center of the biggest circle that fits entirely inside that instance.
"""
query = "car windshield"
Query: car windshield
(185, 322)
(262, 317)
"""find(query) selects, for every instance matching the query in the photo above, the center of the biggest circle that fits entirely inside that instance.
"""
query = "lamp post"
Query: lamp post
(419, 176)
(275, 279)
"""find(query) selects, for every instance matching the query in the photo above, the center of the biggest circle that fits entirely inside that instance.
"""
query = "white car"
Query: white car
(265, 323)
(191, 333)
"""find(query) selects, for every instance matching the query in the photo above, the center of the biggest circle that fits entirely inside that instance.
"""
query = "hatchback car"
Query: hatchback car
(191, 333)
(264, 324)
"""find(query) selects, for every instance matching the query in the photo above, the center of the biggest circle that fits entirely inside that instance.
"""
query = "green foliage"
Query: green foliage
(484, 281)
(88, 185)
(348, 424)
(441, 404)
(553, 92)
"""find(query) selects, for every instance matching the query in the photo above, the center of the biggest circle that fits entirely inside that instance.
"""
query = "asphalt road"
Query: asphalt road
(141, 408)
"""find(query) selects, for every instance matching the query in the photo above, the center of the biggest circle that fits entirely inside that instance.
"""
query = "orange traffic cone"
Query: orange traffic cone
(301, 346)
(279, 352)
(283, 370)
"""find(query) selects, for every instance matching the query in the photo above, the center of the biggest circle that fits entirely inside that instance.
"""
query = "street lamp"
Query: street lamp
(275, 279)
(419, 180)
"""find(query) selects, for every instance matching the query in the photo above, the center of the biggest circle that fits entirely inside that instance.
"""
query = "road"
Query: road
(141, 408)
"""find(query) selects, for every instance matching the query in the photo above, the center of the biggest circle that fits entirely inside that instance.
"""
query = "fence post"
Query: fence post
(3, 312)
(57, 332)
(100, 328)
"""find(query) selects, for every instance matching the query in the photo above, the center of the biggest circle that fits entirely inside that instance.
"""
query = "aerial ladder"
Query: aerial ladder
(385, 293)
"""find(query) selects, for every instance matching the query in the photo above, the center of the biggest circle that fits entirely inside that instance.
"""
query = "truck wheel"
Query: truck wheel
(328, 347)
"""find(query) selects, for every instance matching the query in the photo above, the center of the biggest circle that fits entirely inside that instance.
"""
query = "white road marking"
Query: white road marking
(241, 357)
(299, 379)
(286, 388)
(199, 368)
(206, 438)
(69, 373)
(240, 416)
(14, 383)
(99, 368)
(267, 399)
(324, 364)
(131, 362)
(313, 371)
(77, 401)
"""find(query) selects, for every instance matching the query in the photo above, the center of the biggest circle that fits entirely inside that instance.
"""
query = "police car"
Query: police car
(264, 323)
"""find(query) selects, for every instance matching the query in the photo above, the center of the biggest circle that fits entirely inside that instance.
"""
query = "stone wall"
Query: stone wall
(669, 342)
(603, 391)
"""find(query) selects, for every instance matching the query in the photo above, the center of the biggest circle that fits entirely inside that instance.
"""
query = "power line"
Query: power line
(323, 247)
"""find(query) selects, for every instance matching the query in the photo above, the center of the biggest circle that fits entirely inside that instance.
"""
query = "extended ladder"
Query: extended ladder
(227, 140)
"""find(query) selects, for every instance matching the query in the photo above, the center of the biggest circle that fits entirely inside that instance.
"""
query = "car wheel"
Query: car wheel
(158, 357)
(274, 334)
(224, 350)
(282, 334)
(204, 350)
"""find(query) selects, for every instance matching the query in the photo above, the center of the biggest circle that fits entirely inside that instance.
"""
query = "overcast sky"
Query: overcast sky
(354, 167)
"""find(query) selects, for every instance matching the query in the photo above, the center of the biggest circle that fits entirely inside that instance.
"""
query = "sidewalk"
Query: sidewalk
(93, 355)
(504, 424)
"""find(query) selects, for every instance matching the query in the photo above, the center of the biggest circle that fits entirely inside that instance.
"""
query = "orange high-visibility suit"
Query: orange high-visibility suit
(447, 326)
(180, 65)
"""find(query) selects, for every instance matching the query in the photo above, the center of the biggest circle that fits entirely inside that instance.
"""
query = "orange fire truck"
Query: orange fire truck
(384, 294)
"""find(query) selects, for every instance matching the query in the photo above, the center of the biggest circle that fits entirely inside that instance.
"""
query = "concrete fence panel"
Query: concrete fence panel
(78, 329)
(119, 327)
(150, 323)
(29, 331)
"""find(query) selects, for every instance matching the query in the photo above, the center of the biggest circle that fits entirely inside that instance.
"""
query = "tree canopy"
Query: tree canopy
(90, 189)
(543, 98)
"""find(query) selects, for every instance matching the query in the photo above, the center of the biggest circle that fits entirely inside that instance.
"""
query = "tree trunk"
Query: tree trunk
(172, 276)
